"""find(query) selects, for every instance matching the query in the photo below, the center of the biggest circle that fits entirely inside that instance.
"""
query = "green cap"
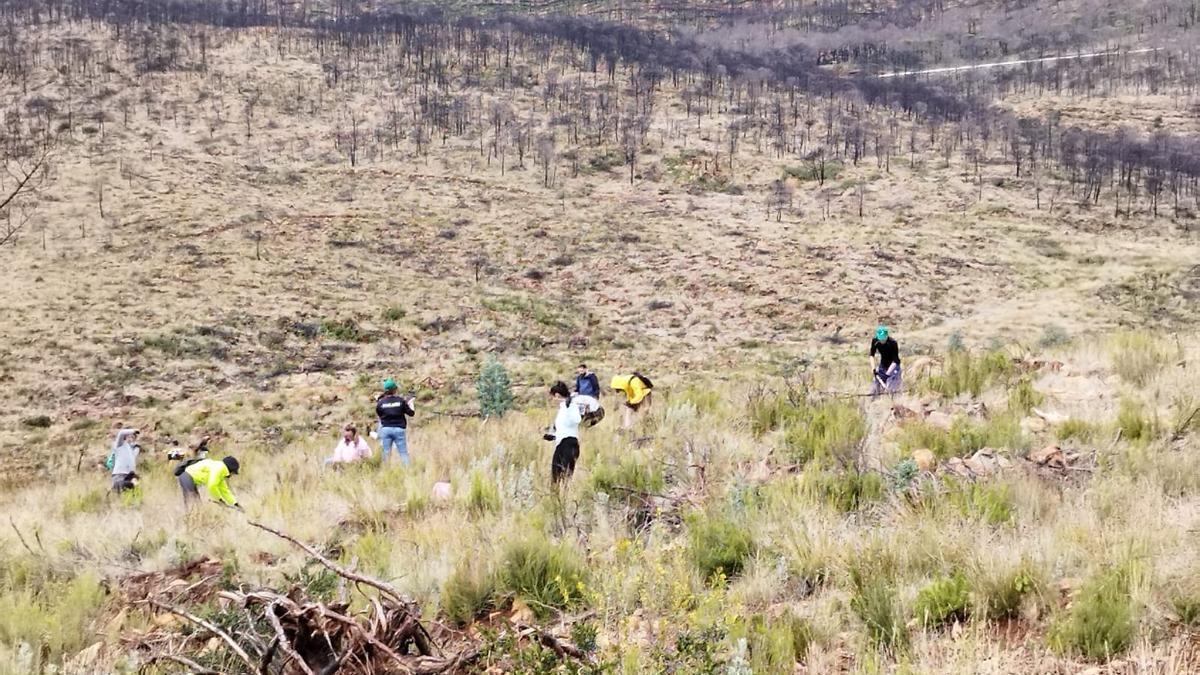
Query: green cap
(389, 384)
(881, 333)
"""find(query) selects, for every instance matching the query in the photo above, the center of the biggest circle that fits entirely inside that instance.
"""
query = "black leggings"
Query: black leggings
(562, 466)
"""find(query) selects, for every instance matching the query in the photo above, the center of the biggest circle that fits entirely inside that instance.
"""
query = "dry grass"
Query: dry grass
(745, 519)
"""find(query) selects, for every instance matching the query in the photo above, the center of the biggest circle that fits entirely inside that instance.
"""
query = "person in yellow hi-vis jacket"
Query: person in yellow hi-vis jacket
(213, 475)
(637, 390)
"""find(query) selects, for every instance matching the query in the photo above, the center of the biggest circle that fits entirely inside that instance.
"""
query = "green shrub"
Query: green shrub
(1137, 356)
(542, 574)
(777, 644)
(483, 496)
(964, 437)
(845, 491)
(991, 502)
(494, 389)
(469, 591)
(963, 373)
(873, 600)
(393, 313)
(55, 618)
(37, 422)
(943, 601)
(1185, 603)
(718, 544)
(1135, 425)
(1053, 336)
(631, 473)
(344, 330)
(904, 473)
(1002, 593)
(87, 500)
(823, 430)
(768, 412)
(1099, 623)
(1076, 429)
(1023, 398)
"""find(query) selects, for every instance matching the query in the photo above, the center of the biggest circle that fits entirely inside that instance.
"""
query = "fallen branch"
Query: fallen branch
(20, 536)
(210, 627)
(1183, 427)
(284, 643)
(382, 587)
(196, 668)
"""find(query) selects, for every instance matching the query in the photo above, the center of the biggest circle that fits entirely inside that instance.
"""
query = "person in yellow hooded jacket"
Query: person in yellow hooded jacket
(637, 390)
(213, 475)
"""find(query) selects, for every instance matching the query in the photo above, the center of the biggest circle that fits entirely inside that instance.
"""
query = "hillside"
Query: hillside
(244, 219)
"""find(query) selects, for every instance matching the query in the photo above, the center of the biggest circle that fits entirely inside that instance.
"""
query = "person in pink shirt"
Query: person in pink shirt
(351, 448)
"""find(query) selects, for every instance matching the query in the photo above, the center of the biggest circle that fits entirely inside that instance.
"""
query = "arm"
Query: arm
(218, 489)
(408, 407)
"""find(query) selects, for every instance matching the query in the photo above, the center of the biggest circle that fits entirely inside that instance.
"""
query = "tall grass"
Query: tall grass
(964, 373)
(543, 574)
(1137, 356)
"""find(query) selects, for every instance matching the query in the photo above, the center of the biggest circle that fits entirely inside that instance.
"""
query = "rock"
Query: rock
(1035, 425)
(918, 367)
(85, 661)
(1050, 417)
(441, 491)
(986, 462)
(521, 613)
(1049, 456)
(903, 413)
(924, 459)
(939, 419)
(956, 466)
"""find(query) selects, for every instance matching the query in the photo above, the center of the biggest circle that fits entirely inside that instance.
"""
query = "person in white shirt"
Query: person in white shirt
(565, 434)
(350, 448)
(124, 466)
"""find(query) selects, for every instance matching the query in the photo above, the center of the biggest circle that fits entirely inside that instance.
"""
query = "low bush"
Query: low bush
(873, 599)
(344, 330)
(1137, 356)
(824, 430)
(469, 591)
(718, 544)
(964, 437)
(963, 373)
(483, 495)
(543, 574)
(628, 479)
(86, 500)
(1023, 398)
(393, 313)
(1002, 591)
(844, 491)
(1100, 622)
(1134, 423)
(55, 619)
(991, 502)
(1076, 429)
(943, 601)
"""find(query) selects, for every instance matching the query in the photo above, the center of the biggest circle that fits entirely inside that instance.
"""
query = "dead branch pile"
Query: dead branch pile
(290, 634)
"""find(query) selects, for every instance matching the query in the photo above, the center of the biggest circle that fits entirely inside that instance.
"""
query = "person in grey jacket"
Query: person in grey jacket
(125, 452)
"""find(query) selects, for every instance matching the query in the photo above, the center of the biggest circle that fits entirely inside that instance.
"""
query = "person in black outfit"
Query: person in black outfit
(886, 373)
(393, 411)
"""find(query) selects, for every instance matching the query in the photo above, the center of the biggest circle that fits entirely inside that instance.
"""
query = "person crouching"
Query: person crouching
(213, 475)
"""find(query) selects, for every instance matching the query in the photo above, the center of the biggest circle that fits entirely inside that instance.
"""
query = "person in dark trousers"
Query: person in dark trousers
(885, 372)
(565, 434)
(586, 382)
(393, 411)
(213, 475)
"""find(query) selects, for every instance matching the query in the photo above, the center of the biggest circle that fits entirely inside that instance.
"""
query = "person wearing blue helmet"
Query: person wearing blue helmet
(886, 371)
(393, 411)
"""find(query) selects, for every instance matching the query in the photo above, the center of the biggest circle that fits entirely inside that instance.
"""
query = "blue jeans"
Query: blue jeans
(393, 436)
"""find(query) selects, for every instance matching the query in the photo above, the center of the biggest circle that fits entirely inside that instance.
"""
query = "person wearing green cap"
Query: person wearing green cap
(885, 373)
(393, 411)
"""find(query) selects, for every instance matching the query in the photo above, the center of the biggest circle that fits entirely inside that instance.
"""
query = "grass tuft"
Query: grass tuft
(1099, 624)
(541, 573)
(719, 545)
(1137, 356)
(943, 601)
